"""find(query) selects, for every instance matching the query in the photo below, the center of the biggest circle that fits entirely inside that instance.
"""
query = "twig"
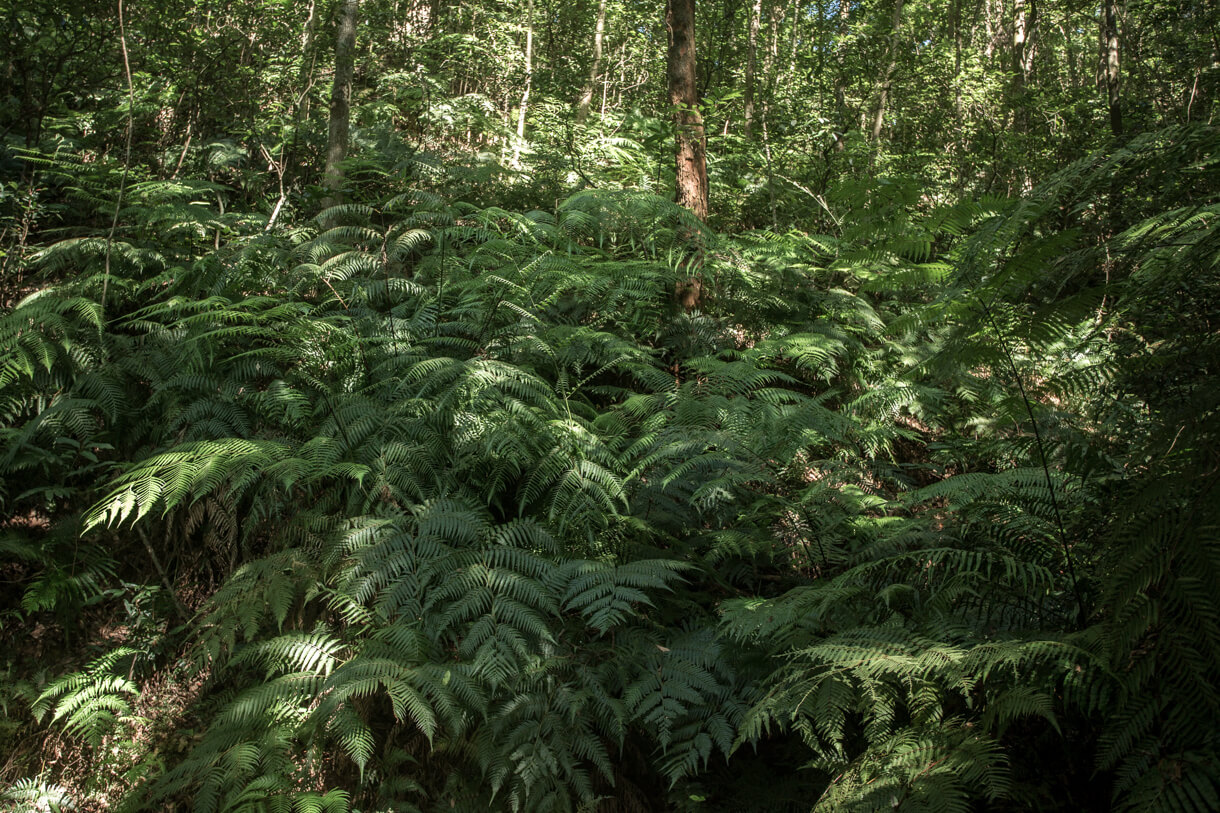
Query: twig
(183, 613)
(185, 147)
(821, 201)
(336, 293)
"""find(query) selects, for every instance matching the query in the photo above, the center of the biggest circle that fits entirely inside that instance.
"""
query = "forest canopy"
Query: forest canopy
(605, 405)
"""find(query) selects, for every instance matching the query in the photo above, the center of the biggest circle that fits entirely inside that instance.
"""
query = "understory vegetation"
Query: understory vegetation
(511, 484)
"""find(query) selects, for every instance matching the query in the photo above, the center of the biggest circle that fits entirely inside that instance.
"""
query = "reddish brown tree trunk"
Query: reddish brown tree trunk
(691, 150)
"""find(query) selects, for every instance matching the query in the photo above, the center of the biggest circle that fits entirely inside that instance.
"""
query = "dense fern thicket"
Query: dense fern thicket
(376, 436)
(427, 505)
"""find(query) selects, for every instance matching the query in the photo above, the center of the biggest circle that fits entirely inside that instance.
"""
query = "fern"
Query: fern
(484, 518)
(92, 702)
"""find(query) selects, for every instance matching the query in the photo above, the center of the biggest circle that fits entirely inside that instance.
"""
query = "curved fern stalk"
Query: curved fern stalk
(1082, 618)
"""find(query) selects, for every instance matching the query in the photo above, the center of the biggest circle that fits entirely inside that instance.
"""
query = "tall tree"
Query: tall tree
(841, 78)
(887, 77)
(525, 93)
(1110, 63)
(341, 101)
(1018, 47)
(691, 152)
(1024, 19)
(755, 23)
(794, 37)
(595, 70)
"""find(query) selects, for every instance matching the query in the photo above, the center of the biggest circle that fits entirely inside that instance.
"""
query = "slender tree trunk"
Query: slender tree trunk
(691, 148)
(955, 20)
(1024, 18)
(1110, 63)
(794, 38)
(772, 58)
(305, 74)
(771, 61)
(841, 75)
(529, 80)
(887, 78)
(755, 23)
(1018, 46)
(691, 152)
(340, 102)
(1032, 22)
(1066, 27)
(285, 166)
(599, 33)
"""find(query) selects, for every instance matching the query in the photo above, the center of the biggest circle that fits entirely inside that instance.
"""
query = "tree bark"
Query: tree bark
(887, 78)
(1024, 17)
(794, 37)
(340, 102)
(529, 81)
(755, 24)
(841, 76)
(1018, 47)
(771, 61)
(305, 73)
(599, 33)
(1110, 63)
(955, 21)
(691, 151)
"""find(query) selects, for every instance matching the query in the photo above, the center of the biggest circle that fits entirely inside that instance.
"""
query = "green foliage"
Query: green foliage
(474, 514)
(91, 702)
(31, 795)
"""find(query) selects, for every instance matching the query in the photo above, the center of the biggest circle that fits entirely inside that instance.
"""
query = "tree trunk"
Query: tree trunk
(287, 162)
(883, 87)
(955, 20)
(691, 148)
(1023, 30)
(691, 152)
(755, 23)
(1110, 63)
(1018, 47)
(305, 73)
(340, 102)
(794, 38)
(586, 96)
(772, 58)
(529, 81)
(841, 76)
